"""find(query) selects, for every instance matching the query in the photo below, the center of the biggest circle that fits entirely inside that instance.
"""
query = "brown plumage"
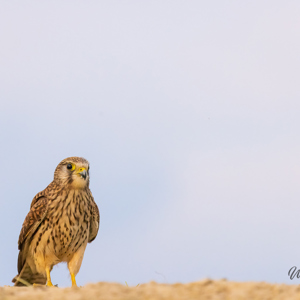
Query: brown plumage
(62, 219)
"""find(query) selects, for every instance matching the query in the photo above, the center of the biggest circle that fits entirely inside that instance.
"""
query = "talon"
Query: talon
(49, 283)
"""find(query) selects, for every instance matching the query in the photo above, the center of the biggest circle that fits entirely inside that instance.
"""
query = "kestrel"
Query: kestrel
(62, 219)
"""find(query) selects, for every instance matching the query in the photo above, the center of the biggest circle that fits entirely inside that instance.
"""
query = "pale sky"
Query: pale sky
(189, 114)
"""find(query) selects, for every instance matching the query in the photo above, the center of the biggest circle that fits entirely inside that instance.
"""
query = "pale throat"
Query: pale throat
(79, 183)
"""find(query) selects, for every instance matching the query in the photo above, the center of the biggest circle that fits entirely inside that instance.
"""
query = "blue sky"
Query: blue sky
(189, 115)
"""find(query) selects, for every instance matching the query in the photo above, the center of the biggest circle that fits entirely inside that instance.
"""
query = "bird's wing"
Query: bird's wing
(95, 221)
(39, 196)
(31, 223)
(33, 219)
(37, 213)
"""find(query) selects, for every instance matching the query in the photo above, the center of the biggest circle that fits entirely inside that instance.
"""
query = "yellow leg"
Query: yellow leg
(49, 283)
(74, 284)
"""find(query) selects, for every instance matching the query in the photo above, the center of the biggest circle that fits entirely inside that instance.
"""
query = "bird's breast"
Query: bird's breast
(69, 221)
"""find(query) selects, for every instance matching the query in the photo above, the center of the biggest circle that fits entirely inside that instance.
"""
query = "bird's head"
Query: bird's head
(73, 172)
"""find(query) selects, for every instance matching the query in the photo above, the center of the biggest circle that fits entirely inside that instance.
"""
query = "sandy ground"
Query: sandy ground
(204, 289)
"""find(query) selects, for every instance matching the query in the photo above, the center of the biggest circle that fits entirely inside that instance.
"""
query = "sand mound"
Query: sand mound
(204, 289)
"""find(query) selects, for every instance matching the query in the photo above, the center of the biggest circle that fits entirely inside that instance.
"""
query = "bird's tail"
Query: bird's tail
(27, 277)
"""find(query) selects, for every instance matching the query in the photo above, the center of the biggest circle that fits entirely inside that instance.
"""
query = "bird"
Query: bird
(62, 219)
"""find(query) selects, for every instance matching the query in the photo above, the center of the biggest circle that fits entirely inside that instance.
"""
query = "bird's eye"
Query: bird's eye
(69, 166)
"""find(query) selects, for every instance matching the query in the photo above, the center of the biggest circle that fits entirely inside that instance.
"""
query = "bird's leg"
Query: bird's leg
(74, 284)
(49, 283)
(75, 262)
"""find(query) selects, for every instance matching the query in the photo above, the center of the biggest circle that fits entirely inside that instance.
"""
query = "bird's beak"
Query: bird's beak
(82, 172)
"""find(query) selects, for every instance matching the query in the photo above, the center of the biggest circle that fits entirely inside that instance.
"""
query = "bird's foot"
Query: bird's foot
(49, 284)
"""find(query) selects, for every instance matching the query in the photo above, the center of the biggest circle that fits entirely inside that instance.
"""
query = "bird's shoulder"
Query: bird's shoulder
(33, 219)
(95, 218)
(48, 192)
(95, 209)
(37, 212)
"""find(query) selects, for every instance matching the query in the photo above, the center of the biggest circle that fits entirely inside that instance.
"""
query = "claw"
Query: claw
(49, 283)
